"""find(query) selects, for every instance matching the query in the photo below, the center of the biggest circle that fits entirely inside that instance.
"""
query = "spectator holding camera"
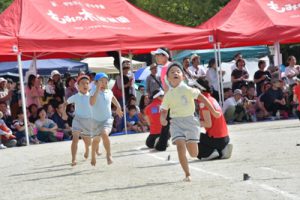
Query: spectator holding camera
(261, 76)
(233, 108)
(239, 76)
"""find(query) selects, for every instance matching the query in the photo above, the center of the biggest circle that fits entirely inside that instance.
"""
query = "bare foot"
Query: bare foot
(93, 161)
(109, 160)
(73, 163)
(187, 179)
(86, 154)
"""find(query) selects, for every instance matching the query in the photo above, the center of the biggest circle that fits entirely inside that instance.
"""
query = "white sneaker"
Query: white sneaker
(226, 152)
(213, 155)
(2, 146)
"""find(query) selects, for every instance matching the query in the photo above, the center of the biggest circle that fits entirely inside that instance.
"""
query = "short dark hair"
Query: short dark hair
(260, 62)
(131, 107)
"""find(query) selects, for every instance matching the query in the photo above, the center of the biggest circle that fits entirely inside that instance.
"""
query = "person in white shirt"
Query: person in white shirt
(292, 70)
(196, 70)
(230, 105)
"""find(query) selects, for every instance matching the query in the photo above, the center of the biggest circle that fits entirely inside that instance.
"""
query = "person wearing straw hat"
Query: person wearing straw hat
(196, 70)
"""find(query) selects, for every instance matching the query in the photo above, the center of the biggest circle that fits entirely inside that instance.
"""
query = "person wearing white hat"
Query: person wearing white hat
(59, 86)
(195, 69)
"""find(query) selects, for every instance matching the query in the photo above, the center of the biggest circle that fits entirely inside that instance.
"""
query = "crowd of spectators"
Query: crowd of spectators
(268, 97)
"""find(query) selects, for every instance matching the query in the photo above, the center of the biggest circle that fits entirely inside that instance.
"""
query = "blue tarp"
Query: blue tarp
(44, 67)
(227, 54)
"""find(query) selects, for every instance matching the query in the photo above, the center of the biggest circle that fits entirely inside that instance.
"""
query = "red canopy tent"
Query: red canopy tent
(64, 28)
(256, 22)
(81, 28)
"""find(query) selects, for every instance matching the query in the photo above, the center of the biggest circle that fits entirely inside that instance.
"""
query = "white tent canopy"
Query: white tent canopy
(106, 64)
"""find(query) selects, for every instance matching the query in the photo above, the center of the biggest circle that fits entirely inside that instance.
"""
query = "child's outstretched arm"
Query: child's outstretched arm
(119, 109)
(163, 117)
(213, 111)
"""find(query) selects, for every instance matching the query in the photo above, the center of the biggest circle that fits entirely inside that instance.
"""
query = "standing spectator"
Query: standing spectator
(162, 58)
(70, 87)
(196, 70)
(186, 64)
(47, 129)
(153, 81)
(127, 81)
(7, 139)
(296, 97)
(292, 70)
(15, 100)
(212, 77)
(261, 76)
(59, 86)
(49, 91)
(33, 91)
(239, 76)
(152, 116)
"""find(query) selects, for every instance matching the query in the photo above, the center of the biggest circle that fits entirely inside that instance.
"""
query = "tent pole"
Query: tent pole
(277, 60)
(218, 75)
(220, 72)
(123, 91)
(23, 97)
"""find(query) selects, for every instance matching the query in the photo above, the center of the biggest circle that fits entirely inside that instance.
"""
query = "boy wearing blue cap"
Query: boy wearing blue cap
(100, 100)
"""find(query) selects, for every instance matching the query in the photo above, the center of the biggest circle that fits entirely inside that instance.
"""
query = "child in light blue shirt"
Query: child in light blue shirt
(100, 100)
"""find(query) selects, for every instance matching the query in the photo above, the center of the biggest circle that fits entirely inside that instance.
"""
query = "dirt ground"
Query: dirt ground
(267, 152)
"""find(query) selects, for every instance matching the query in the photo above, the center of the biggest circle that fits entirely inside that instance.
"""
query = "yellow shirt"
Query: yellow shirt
(180, 100)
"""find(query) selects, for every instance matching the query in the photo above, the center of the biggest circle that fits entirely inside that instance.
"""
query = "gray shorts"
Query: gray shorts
(185, 128)
(82, 125)
(99, 126)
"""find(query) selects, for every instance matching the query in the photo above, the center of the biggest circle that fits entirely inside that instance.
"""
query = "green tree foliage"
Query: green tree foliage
(4, 4)
(184, 12)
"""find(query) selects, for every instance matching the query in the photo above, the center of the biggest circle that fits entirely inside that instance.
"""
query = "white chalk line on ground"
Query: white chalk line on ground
(263, 186)
(276, 171)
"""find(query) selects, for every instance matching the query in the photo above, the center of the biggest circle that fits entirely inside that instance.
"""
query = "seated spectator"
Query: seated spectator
(145, 100)
(140, 92)
(60, 117)
(132, 102)
(117, 124)
(15, 100)
(227, 93)
(239, 76)
(6, 117)
(132, 121)
(70, 87)
(250, 104)
(274, 71)
(261, 112)
(18, 126)
(49, 109)
(152, 116)
(5, 95)
(47, 129)
(233, 108)
(71, 113)
(33, 113)
(7, 139)
(273, 100)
